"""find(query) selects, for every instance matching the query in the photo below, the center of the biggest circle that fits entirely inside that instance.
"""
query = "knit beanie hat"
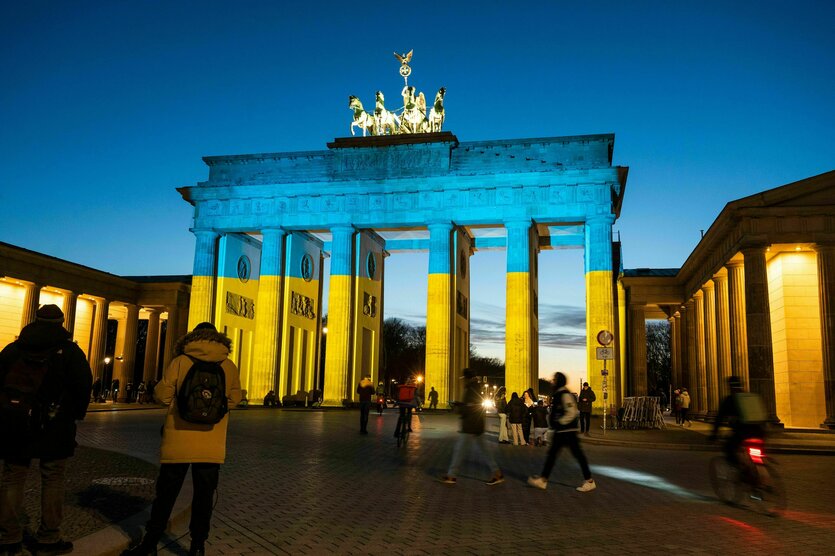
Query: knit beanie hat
(50, 313)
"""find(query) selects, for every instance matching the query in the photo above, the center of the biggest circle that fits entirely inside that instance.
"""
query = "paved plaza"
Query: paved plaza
(305, 482)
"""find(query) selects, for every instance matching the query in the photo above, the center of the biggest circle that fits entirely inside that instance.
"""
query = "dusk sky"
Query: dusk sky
(107, 107)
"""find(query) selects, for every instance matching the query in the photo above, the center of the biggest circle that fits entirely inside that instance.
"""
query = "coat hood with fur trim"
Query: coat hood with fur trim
(204, 344)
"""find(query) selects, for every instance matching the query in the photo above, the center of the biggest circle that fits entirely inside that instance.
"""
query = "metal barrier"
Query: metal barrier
(642, 412)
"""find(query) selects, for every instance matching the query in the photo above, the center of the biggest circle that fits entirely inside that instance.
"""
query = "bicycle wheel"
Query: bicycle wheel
(769, 495)
(724, 479)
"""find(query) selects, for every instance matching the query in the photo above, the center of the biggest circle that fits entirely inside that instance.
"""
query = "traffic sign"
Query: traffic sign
(604, 338)
(606, 354)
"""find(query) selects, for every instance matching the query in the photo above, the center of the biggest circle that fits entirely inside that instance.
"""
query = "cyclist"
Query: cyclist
(746, 416)
(407, 400)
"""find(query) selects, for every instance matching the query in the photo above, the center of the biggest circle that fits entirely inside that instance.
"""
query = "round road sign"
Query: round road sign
(604, 337)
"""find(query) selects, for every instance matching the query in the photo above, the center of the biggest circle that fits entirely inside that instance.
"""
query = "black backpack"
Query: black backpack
(201, 398)
(27, 400)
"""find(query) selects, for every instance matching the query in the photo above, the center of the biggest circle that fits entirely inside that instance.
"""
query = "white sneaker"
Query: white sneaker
(585, 487)
(538, 482)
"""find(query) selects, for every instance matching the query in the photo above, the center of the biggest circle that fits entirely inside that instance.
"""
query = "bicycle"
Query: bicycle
(754, 476)
(404, 425)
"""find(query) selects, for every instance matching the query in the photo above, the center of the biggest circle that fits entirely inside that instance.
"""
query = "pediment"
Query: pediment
(817, 191)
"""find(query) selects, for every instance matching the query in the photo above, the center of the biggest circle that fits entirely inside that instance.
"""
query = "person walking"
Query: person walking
(43, 429)
(586, 398)
(501, 409)
(97, 390)
(528, 400)
(114, 390)
(140, 392)
(433, 398)
(184, 444)
(677, 405)
(472, 434)
(516, 414)
(563, 421)
(365, 389)
(684, 403)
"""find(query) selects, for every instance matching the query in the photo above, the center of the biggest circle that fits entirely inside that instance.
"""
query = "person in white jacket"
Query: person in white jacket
(564, 423)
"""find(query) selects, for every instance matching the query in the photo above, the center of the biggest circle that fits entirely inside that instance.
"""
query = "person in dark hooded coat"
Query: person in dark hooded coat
(64, 395)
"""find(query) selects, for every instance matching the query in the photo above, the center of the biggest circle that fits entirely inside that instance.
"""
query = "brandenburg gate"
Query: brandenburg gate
(546, 193)
(265, 222)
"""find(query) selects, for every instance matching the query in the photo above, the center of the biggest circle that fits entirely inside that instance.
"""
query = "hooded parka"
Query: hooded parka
(67, 384)
(184, 442)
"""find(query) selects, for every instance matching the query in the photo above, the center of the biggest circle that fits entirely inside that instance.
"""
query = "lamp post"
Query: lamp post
(106, 381)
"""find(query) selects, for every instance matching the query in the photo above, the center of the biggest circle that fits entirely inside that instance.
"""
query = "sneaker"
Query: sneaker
(587, 486)
(497, 479)
(538, 482)
(447, 480)
(50, 548)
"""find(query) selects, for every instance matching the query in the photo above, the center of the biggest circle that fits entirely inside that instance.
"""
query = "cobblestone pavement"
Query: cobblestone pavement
(305, 482)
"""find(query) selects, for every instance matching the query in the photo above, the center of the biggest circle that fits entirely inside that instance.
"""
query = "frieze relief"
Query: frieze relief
(417, 160)
(369, 305)
(302, 305)
(504, 196)
(240, 306)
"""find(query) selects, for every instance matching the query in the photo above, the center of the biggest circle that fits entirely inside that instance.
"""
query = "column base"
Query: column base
(829, 424)
(336, 403)
(710, 417)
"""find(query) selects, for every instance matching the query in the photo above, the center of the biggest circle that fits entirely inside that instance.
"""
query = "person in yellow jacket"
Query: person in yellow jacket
(184, 444)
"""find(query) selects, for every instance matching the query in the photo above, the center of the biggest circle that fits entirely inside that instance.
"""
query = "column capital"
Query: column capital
(697, 295)
(273, 232)
(823, 247)
(342, 228)
(600, 219)
(734, 264)
(517, 223)
(720, 279)
(205, 232)
(707, 286)
(754, 250)
(440, 226)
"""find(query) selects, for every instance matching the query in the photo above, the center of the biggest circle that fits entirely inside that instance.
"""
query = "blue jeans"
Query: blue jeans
(478, 445)
(52, 499)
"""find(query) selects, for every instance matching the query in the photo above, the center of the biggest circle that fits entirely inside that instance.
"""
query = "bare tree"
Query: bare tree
(658, 355)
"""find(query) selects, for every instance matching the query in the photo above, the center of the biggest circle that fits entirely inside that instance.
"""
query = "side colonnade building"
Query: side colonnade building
(755, 299)
(264, 224)
(90, 298)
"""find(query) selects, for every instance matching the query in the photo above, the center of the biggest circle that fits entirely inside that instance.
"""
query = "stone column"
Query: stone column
(97, 345)
(600, 309)
(711, 365)
(268, 312)
(826, 286)
(68, 307)
(204, 279)
(31, 302)
(638, 348)
(698, 395)
(723, 334)
(736, 318)
(520, 343)
(151, 347)
(681, 353)
(440, 311)
(689, 380)
(128, 362)
(172, 334)
(675, 370)
(340, 304)
(758, 323)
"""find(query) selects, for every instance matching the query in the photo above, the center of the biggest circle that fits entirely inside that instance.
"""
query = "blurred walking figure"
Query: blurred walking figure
(501, 409)
(516, 414)
(587, 397)
(365, 389)
(677, 405)
(564, 415)
(471, 436)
